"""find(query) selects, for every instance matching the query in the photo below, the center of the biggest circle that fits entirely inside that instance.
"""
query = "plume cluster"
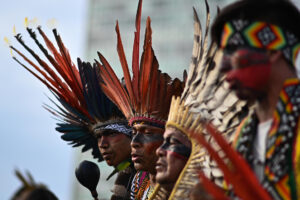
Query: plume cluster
(82, 102)
(148, 93)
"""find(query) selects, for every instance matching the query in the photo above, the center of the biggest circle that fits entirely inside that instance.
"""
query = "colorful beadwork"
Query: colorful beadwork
(260, 35)
(281, 161)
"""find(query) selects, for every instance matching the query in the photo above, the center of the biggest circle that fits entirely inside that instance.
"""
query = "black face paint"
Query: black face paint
(147, 138)
(178, 148)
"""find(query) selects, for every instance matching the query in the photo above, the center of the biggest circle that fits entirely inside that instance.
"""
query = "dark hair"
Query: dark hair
(282, 13)
(41, 194)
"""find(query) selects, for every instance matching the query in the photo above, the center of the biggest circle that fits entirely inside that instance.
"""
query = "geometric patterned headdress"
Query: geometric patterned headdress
(84, 109)
(147, 95)
(261, 35)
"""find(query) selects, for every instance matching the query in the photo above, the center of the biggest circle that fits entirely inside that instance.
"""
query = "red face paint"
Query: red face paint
(177, 155)
(250, 68)
(146, 139)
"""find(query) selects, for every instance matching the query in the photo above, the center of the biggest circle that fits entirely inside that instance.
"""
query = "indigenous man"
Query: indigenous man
(172, 157)
(87, 115)
(260, 41)
(145, 102)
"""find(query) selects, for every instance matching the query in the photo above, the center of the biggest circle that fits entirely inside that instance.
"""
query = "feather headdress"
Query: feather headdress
(205, 98)
(147, 95)
(84, 108)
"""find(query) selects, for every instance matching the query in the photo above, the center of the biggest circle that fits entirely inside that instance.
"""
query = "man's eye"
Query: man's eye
(109, 133)
(174, 141)
(229, 50)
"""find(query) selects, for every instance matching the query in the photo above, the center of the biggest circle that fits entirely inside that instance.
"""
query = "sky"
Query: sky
(29, 140)
(28, 136)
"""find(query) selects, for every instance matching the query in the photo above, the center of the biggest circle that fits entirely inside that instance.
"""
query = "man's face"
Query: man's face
(114, 147)
(247, 72)
(172, 156)
(145, 140)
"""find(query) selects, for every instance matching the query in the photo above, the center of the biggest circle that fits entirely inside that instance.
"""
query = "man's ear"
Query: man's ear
(275, 56)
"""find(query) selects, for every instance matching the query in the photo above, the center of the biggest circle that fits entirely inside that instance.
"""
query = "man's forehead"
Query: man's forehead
(106, 132)
(142, 126)
(171, 131)
(174, 132)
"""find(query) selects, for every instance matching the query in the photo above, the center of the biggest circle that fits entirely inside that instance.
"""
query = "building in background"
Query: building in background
(172, 37)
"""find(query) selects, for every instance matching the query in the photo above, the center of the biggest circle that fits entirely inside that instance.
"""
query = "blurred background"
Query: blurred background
(28, 136)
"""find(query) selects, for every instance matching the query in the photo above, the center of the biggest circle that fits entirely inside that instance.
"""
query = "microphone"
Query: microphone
(88, 175)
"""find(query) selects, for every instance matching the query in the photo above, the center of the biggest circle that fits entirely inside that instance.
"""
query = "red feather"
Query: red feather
(112, 82)
(125, 67)
(52, 80)
(64, 66)
(146, 67)
(210, 187)
(238, 173)
(135, 52)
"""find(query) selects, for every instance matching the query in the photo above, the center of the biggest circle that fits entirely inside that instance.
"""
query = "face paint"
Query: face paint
(147, 138)
(252, 69)
(178, 150)
(172, 157)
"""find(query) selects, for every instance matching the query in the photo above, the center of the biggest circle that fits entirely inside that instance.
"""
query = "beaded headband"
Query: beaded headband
(260, 35)
(120, 127)
(147, 120)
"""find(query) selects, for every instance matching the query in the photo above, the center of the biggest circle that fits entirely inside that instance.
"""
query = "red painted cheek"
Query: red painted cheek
(251, 68)
(151, 147)
(176, 155)
(253, 77)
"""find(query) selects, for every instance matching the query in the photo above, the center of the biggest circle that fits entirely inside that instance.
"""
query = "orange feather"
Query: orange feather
(135, 52)
(124, 65)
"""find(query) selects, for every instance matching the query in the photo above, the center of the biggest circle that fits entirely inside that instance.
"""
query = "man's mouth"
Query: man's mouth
(159, 166)
(107, 155)
(136, 157)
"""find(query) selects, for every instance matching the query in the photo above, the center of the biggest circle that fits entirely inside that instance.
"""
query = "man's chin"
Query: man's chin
(160, 177)
(244, 95)
(109, 162)
(139, 166)
(241, 96)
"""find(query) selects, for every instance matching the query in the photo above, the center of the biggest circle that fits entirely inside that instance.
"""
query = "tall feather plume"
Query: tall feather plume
(135, 53)
(113, 88)
(207, 98)
(146, 67)
(64, 89)
(82, 103)
(125, 67)
(206, 91)
(145, 94)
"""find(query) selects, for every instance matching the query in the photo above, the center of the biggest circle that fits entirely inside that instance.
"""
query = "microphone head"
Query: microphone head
(88, 175)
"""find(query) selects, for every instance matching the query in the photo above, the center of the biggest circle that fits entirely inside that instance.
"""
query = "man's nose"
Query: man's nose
(137, 140)
(225, 64)
(160, 151)
(103, 142)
